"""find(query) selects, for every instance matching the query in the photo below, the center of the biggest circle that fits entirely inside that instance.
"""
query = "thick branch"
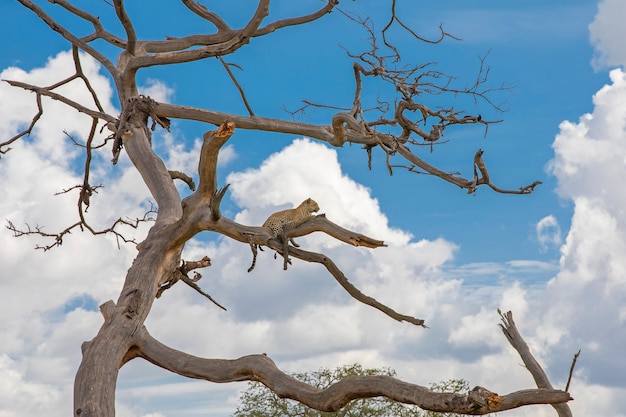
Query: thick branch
(136, 138)
(321, 223)
(260, 368)
(211, 145)
(541, 379)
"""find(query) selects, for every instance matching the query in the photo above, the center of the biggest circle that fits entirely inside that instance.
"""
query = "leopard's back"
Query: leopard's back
(293, 217)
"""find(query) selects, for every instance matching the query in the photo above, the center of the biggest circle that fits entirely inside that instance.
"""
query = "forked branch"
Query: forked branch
(541, 379)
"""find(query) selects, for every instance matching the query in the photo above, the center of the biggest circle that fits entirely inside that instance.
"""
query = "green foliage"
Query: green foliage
(259, 401)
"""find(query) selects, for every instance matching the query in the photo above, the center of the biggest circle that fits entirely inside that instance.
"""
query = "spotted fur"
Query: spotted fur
(277, 222)
(292, 217)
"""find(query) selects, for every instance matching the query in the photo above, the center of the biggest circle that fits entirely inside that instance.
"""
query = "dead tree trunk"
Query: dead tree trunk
(157, 266)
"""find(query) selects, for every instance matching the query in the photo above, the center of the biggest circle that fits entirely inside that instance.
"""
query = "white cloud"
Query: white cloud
(301, 317)
(607, 33)
(43, 322)
(157, 90)
(586, 298)
(548, 233)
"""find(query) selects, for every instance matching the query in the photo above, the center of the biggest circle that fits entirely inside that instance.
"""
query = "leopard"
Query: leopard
(292, 217)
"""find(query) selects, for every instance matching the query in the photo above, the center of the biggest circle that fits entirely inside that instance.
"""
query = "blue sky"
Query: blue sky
(554, 257)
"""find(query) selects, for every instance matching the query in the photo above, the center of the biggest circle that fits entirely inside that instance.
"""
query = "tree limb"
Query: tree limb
(131, 36)
(294, 21)
(260, 368)
(320, 223)
(200, 10)
(324, 133)
(212, 143)
(571, 370)
(136, 138)
(44, 91)
(519, 344)
(348, 286)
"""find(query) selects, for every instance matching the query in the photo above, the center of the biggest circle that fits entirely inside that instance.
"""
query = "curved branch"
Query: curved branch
(260, 368)
(177, 175)
(479, 166)
(26, 131)
(394, 17)
(223, 35)
(203, 12)
(339, 123)
(294, 21)
(347, 285)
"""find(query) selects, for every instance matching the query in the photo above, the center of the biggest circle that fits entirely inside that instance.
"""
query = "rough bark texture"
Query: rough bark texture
(157, 265)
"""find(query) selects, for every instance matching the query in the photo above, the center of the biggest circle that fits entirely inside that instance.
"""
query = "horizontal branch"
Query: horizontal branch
(327, 134)
(261, 368)
(320, 223)
(244, 122)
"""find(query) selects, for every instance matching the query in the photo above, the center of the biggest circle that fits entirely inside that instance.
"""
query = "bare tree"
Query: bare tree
(396, 128)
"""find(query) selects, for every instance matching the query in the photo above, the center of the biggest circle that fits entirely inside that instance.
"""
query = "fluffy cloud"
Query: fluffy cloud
(49, 298)
(607, 32)
(588, 295)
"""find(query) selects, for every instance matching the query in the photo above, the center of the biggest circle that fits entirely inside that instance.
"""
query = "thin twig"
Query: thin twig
(234, 80)
(571, 370)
